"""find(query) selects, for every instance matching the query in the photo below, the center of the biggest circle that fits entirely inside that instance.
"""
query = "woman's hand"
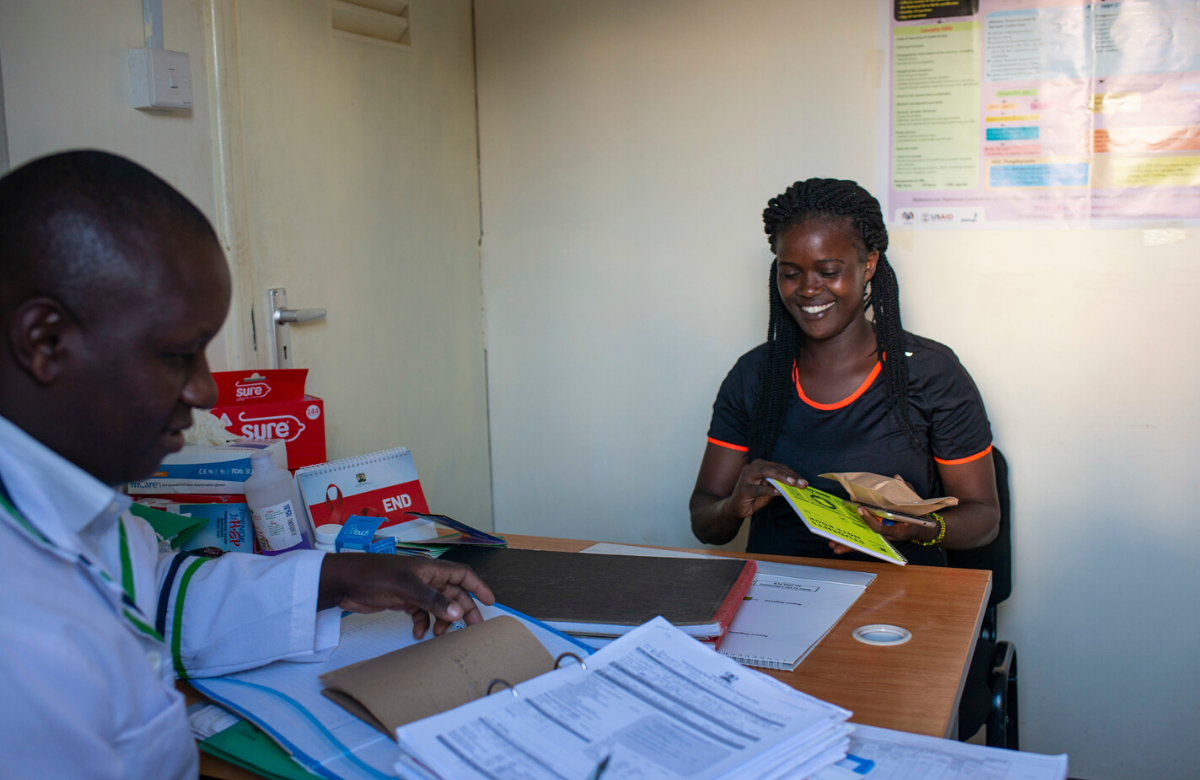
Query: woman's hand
(896, 532)
(752, 492)
(889, 529)
(972, 523)
(728, 490)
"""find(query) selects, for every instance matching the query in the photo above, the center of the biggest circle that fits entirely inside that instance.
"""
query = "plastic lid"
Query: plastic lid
(882, 634)
(327, 534)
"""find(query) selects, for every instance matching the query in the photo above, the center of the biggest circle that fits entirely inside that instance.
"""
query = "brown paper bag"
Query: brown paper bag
(888, 493)
(437, 675)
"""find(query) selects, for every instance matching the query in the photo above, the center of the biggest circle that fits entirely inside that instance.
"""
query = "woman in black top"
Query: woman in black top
(833, 391)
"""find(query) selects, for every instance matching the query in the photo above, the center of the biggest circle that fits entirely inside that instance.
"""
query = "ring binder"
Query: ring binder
(557, 665)
(498, 681)
(558, 661)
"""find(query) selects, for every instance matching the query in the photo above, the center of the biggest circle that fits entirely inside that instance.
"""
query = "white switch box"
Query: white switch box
(160, 80)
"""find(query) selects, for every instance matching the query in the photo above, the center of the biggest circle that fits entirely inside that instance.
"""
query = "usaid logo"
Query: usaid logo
(281, 426)
(248, 390)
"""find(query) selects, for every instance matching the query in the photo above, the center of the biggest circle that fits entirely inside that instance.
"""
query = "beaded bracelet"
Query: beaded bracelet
(941, 531)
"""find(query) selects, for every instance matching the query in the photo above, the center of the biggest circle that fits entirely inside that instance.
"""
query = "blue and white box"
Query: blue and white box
(384, 544)
(208, 469)
(357, 534)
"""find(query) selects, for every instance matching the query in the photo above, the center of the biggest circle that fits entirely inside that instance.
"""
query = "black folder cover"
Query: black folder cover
(621, 590)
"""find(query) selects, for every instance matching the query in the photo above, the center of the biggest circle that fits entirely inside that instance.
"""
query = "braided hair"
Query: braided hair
(833, 199)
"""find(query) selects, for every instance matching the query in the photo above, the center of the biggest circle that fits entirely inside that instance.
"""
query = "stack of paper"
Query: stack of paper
(654, 704)
(883, 754)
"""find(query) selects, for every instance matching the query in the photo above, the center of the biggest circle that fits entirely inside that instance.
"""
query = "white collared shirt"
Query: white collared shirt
(87, 684)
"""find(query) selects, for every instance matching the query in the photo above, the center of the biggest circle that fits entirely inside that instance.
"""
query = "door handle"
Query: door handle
(298, 315)
(281, 318)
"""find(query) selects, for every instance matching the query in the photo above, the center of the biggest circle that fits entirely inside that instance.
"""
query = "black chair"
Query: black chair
(990, 693)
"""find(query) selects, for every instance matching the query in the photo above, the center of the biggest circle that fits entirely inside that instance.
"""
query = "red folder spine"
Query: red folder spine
(737, 593)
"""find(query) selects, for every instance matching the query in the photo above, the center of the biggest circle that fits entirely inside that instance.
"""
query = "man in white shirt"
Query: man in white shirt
(111, 286)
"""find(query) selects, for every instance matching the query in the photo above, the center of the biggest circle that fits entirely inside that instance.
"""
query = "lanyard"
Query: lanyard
(134, 617)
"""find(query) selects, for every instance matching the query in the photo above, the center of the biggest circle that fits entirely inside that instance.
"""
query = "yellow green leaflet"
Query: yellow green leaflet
(826, 515)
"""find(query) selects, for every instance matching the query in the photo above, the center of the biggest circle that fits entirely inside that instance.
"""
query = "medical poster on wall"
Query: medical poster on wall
(1043, 110)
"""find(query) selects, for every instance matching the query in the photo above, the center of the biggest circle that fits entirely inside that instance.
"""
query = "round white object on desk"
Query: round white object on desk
(882, 634)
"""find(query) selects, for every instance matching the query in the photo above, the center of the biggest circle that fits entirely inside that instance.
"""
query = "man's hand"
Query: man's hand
(369, 582)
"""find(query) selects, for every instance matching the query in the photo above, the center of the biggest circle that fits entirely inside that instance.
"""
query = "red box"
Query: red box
(272, 405)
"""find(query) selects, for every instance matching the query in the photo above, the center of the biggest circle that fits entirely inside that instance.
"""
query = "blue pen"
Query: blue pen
(599, 770)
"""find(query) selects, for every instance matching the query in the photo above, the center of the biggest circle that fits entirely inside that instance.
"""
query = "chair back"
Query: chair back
(997, 555)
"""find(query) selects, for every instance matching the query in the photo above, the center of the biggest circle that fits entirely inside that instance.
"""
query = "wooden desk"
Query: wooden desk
(911, 687)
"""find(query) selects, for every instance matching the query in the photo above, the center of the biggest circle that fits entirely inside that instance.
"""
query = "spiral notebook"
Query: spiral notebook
(381, 484)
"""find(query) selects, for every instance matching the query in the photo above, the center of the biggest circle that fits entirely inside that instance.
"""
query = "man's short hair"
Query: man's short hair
(71, 225)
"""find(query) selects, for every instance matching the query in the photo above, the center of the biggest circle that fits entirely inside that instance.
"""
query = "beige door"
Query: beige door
(347, 174)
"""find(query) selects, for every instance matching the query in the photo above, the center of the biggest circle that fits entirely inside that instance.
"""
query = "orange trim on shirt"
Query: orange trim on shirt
(839, 404)
(967, 459)
(727, 445)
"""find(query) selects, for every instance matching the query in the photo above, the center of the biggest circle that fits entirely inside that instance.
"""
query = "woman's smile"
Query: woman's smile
(816, 310)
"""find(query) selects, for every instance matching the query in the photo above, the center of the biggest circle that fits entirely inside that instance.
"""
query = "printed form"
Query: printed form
(656, 703)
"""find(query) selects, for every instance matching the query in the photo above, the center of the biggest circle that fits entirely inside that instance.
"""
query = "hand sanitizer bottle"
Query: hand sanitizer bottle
(271, 494)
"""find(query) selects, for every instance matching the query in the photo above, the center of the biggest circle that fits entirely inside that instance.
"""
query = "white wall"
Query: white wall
(627, 150)
(66, 86)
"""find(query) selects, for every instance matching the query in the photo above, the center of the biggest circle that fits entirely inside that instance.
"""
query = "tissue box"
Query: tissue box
(272, 405)
(207, 469)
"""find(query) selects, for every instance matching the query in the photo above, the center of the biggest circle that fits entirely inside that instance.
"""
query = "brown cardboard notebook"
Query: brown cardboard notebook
(437, 675)
(609, 595)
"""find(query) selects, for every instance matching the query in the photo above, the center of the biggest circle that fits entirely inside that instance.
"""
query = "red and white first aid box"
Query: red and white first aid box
(272, 404)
